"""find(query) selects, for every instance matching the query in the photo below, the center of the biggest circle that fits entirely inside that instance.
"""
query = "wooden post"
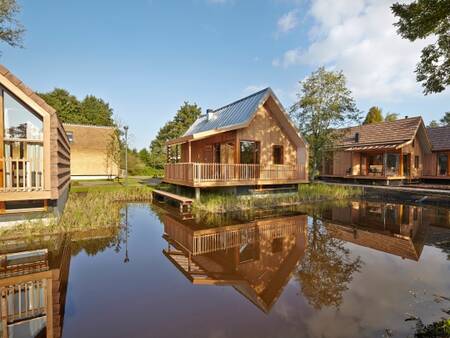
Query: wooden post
(2, 147)
(2, 207)
(49, 303)
(4, 307)
(190, 152)
(401, 162)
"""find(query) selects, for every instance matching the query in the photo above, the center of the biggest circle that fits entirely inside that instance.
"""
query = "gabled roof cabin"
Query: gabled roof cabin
(437, 165)
(248, 142)
(385, 151)
(34, 150)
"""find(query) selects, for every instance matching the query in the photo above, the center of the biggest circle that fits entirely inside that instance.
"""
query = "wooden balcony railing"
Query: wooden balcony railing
(21, 175)
(218, 172)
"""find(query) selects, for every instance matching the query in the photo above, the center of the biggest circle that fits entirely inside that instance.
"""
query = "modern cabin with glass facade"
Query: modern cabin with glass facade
(385, 152)
(250, 142)
(34, 151)
(437, 164)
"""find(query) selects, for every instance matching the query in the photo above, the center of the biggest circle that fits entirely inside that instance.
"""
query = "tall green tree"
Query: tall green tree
(67, 105)
(324, 104)
(96, 111)
(419, 20)
(446, 119)
(374, 115)
(390, 117)
(91, 110)
(11, 31)
(184, 117)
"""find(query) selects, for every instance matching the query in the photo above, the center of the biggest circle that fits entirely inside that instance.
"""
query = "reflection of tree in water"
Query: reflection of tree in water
(326, 269)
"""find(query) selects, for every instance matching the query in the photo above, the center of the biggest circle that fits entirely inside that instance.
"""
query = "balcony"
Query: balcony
(21, 175)
(219, 174)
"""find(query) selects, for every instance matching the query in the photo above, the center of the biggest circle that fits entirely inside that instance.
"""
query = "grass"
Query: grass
(221, 203)
(93, 206)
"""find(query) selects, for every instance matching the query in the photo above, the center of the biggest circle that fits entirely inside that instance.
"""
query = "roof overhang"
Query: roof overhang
(375, 147)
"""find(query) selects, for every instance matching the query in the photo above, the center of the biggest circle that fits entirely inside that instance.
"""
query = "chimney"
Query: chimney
(406, 117)
(356, 137)
(209, 114)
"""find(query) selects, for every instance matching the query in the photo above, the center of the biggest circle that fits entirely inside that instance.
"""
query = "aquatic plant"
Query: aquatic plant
(220, 203)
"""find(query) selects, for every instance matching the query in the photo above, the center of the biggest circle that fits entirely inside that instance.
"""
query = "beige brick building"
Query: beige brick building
(90, 153)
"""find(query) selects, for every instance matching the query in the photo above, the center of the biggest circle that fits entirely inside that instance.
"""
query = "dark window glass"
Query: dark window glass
(416, 162)
(443, 164)
(249, 152)
(217, 153)
(69, 136)
(277, 154)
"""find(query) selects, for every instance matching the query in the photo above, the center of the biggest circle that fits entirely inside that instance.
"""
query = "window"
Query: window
(375, 164)
(216, 153)
(20, 122)
(249, 152)
(416, 162)
(277, 154)
(392, 164)
(442, 164)
(70, 136)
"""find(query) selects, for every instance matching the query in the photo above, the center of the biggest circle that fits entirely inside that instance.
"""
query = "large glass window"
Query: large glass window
(375, 164)
(20, 122)
(392, 164)
(249, 152)
(443, 164)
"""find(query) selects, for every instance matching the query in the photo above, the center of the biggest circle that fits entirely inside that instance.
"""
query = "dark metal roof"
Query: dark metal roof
(233, 114)
(440, 138)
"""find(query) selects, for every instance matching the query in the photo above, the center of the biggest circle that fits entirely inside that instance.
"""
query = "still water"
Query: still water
(357, 269)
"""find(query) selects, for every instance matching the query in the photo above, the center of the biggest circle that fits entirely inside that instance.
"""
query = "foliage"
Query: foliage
(374, 115)
(324, 103)
(221, 203)
(11, 30)
(390, 117)
(326, 269)
(91, 110)
(446, 119)
(183, 119)
(439, 329)
(434, 124)
(419, 20)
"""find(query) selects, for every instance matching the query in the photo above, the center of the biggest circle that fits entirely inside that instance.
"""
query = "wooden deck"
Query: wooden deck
(221, 175)
(368, 177)
(185, 203)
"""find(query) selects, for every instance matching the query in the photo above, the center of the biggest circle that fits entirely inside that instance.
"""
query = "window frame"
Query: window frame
(278, 147)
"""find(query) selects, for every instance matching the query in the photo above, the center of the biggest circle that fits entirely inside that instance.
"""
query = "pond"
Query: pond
(349, 269)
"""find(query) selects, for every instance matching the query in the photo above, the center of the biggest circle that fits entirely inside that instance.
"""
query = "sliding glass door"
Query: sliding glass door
(443, 164)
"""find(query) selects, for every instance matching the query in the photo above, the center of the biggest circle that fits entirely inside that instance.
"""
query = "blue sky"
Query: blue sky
(146, 57)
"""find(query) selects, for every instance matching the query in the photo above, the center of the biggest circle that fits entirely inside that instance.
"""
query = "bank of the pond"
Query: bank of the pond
(87, 210)
(307, 193)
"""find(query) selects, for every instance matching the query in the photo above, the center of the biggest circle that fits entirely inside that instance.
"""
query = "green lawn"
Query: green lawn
(106, 185)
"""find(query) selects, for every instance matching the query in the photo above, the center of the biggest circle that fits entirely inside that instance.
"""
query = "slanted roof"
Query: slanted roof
(440, 138)
(383, 135)
(236, 115)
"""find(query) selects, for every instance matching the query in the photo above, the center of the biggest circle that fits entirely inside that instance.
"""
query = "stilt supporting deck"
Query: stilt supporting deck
(197, 194)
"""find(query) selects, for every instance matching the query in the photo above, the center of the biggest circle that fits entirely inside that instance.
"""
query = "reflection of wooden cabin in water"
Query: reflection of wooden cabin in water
(33, 285)
(256, 258)
(391, 228)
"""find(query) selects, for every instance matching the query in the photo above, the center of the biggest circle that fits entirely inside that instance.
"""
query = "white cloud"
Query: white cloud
(358, 37)
(287, 22)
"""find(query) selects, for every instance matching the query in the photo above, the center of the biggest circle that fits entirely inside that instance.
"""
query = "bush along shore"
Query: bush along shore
(94, 209)
(307, 193)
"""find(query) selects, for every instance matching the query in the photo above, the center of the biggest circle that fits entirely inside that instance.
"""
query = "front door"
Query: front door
(407, 165)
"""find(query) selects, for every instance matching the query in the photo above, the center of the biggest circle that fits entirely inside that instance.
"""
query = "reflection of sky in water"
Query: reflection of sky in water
(16, 114)
(381, 295)
(157, 300)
